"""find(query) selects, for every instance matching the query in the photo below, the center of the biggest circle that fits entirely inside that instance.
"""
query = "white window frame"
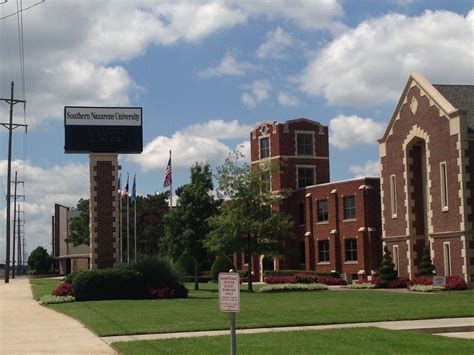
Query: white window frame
(396, 258)
(296, 144)
(260, 147)
(305, 167)
(393, 195)
(443, 182)
(447, 259)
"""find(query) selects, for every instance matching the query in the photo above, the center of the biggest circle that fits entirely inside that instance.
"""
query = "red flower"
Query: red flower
(64, 289)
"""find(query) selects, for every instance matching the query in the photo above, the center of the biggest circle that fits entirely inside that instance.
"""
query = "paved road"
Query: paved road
(29, 328)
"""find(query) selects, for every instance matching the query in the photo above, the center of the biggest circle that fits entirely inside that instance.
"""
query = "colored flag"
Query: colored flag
(167, 181)
(219, 195)
(124, 192)
(133, 197)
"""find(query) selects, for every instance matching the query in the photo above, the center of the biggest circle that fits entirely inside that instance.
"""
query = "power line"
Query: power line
(26, 8)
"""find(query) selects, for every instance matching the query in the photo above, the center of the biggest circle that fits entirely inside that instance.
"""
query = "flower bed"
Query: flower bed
(56, 299)
(361, 286)
(425, 288)
(293, 287)
(64, 289)
(279, 279)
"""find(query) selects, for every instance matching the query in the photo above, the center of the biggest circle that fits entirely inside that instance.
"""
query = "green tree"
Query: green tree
(150, 222)
(248, 221)
(40, 261)
(387, 270)
(79, 226)
(426, 266)
(185, 225)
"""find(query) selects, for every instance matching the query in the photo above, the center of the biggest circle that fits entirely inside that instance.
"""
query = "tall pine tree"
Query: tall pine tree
(426, 267)
(387, 270)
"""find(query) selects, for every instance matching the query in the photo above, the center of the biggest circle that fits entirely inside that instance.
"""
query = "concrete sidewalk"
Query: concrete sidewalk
(458, 327)
(29, 328)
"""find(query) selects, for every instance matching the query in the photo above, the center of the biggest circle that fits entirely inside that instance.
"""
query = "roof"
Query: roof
(461, 97)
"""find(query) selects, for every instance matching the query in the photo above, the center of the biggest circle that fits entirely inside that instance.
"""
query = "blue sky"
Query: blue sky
(205, 72)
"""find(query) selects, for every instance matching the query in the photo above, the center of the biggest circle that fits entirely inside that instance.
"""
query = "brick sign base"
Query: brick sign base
(104, 211)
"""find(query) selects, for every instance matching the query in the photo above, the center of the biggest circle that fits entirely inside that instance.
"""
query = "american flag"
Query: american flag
(124, 192)
(167, 181)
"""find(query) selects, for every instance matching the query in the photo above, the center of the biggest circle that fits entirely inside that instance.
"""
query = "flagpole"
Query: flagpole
(135, 227)
(121, 231)
(171, 188)
(128, 233)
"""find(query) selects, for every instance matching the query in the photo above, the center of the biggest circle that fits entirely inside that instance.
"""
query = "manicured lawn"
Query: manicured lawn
(41, 287)
(334, 341)
(200, 310)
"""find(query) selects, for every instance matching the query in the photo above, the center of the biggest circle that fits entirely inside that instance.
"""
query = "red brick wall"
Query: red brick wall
(456, 257)
(442, 147)
(105, 187)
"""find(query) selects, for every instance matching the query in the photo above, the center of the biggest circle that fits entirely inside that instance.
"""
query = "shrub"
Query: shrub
(70, 277)
(426, 267)
(107, 284)
(279, 279)
(293, 287)
(399, 282)
(455, 283)
(221, 264)
(157, 271)
(387, 270)
(331, 281)
(179, 291)
(293, 272)
(375, 281)
(64, 289)
(362, 286)
(40, 261)
(426, 281)
(56, 299)
(185, 265)
(306, 278)
(425, 288)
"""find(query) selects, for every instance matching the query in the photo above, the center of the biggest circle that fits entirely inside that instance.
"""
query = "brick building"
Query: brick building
(426, 155)
(335, 225)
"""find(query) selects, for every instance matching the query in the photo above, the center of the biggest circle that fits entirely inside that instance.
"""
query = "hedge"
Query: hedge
(293, 272)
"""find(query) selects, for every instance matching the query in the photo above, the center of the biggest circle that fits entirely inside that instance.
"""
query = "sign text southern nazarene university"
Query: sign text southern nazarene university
(103, 129)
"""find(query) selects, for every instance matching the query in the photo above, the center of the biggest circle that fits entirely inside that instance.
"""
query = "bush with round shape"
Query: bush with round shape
(157, 271)
(108, 284)
(185, 265)
(64, 289)
(221, 264)
(455, 283)
(40, 261)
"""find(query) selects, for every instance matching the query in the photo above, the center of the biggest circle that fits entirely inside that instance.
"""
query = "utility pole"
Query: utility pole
(15, 196)
(10, 126)
(20, 261)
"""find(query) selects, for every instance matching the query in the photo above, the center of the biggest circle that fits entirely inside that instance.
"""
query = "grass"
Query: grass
(334, 341)
(200, 310)
(41, 287)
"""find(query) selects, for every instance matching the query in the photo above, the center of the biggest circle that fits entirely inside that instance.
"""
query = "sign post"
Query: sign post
(229, 301)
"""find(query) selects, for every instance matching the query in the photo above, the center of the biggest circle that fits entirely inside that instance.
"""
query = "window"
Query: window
(304, 144)
(393, 195)
(266, 180)
(305, 177)
(444, 185)
(301, 214)
(302, 253)
(447, 259)
(323, 251)
(351, 249)
(349, 207)
(264, 147)
(396, 258)
(322, 210)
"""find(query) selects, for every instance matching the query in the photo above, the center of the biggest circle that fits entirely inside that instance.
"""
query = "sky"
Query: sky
(205, 73)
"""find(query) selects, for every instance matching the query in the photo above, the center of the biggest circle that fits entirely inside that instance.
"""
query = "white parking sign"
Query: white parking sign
(229, 292)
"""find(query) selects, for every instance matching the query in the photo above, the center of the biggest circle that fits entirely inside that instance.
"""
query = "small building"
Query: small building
(427, 179)
(66, 257)
(337, 224)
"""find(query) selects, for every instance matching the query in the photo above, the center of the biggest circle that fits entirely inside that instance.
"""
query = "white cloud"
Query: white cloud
(74, 51)
(63, 184)
(275, 44)
(286, 99)
(369, 64)
(219, 129)
(227, 66)
(259, 91)
(313, 15)
(197, 143)
(370, 168)
(348, 131)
